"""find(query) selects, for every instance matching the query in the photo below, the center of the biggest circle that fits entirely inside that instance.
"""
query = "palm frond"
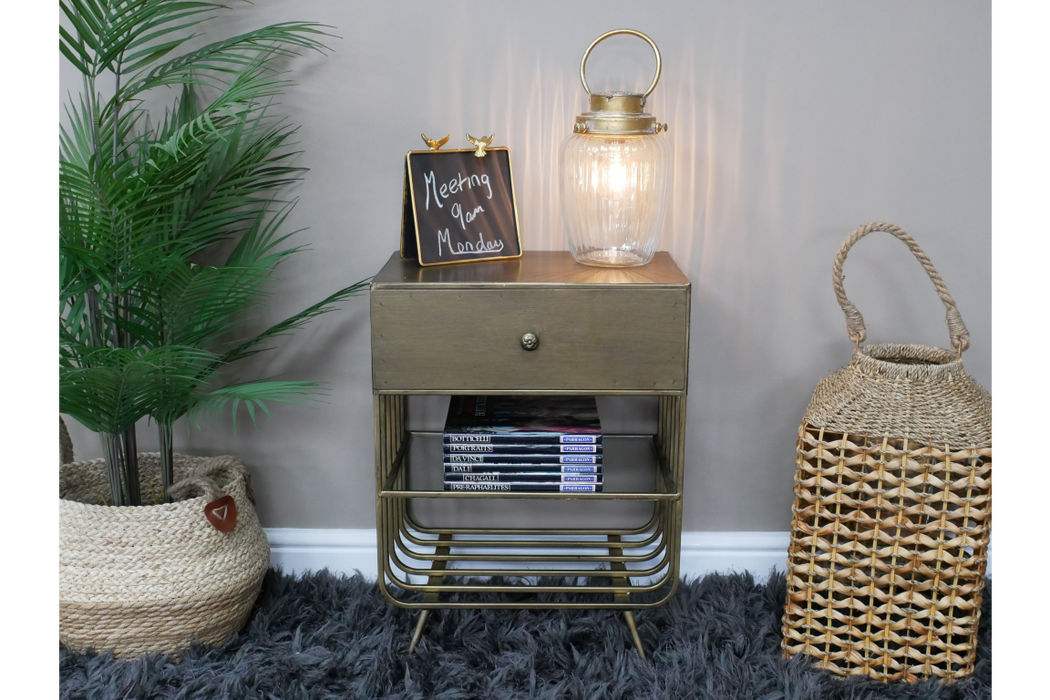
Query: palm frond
(109, 389)
(107, 29)
(251, 346)
(262, 237)
(221, 61)
(252, 395)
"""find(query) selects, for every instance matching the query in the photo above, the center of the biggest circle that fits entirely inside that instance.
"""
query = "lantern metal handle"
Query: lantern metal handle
(606, 35)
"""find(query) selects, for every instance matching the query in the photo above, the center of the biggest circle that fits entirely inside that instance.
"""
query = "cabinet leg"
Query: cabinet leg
(629, 616)
(423, 615)
(430, 596)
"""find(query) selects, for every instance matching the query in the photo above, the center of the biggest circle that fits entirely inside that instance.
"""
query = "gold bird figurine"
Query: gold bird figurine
(481, 144)
(435, 143)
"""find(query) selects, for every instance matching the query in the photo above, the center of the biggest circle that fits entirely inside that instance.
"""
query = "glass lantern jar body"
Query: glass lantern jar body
(614, 193)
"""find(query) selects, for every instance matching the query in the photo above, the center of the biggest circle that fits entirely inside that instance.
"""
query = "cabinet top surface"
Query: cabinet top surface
(537, 267)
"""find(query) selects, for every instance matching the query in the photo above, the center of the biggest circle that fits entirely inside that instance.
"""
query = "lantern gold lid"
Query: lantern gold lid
(618, 113)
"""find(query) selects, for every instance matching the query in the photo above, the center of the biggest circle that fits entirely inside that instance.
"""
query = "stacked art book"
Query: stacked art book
(523, 443)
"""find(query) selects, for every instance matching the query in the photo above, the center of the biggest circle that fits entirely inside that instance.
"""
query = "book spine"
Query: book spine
(525, 476)
(475, 468)
(528, 438)
(528, 458)
(524, 488)
(519, 448)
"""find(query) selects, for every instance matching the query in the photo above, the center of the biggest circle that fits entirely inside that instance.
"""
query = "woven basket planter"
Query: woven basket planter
(892, 511)
(138, 579)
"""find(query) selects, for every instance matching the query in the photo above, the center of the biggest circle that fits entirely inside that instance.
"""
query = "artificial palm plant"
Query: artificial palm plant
(151, 308)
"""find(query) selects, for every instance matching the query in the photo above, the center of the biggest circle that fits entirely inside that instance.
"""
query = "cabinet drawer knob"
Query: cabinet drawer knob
(529, 341)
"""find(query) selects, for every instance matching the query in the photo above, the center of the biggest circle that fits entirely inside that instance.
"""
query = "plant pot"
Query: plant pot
(137, 579)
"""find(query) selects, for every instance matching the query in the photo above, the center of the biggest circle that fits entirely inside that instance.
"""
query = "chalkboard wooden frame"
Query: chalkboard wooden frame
(497, 166)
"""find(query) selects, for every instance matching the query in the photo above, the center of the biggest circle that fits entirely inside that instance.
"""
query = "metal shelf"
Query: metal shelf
(631, 469)
(443, 554)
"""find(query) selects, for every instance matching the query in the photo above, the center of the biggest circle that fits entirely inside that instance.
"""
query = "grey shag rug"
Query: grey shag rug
(324, 636)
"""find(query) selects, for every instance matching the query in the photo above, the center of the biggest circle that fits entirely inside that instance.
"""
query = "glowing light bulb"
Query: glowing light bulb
(617, 178)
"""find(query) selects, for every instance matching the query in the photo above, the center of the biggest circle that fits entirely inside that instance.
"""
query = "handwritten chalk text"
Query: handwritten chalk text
(465, 217)
(466, 247)
(451, 187)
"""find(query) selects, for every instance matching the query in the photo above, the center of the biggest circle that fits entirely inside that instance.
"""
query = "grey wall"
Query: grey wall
(791, 123)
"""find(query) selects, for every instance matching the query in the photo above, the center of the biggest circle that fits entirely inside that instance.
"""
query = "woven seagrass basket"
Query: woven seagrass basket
(892, 511)
(138, 579)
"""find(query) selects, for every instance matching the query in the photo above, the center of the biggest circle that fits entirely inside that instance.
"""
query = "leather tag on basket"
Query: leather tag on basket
(222, 513)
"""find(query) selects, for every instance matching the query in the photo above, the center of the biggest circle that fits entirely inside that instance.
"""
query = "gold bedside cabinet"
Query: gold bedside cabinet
(538, 324)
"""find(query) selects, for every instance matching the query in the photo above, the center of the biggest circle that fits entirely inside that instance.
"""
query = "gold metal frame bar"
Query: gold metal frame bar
(524, 532)
(509, 539)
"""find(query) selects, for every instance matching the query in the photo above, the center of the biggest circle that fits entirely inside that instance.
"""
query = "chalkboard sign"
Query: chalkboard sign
(459, 208)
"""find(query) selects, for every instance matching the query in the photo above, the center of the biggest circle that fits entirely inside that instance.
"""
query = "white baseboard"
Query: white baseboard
(298, 550)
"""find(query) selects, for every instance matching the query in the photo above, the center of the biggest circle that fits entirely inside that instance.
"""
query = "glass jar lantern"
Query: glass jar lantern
(615, 175)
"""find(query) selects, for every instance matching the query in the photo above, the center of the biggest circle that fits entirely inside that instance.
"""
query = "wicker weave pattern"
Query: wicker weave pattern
(888, 554)
(914, 391)
(152, 578)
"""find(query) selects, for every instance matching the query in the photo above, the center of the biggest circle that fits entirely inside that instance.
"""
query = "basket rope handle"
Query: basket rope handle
(202, 485)
(203, 478)
(960, 337)
(65, 443)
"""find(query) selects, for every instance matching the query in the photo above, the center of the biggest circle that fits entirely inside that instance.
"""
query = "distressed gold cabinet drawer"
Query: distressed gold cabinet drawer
(461, 328)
